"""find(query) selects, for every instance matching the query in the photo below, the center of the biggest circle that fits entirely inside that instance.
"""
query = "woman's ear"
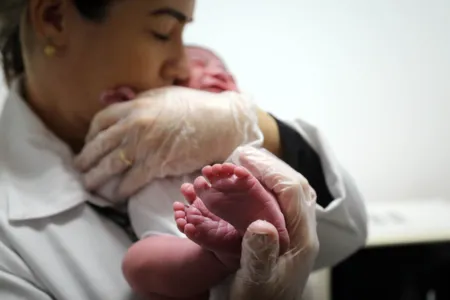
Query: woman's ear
(48, 19)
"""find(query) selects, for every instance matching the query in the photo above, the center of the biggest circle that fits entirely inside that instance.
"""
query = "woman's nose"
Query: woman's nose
(176, 70)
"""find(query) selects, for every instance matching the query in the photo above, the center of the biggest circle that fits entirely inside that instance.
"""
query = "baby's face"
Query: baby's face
(208, 72)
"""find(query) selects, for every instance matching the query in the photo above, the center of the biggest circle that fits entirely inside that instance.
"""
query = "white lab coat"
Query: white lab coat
(55, 246)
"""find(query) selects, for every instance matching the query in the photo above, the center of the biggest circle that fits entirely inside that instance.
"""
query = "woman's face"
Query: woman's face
(138, 45)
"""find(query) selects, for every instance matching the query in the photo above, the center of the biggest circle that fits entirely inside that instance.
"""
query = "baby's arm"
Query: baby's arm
(173, 267)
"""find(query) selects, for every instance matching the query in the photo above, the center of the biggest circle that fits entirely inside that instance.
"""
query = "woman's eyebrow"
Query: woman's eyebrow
(171, 12)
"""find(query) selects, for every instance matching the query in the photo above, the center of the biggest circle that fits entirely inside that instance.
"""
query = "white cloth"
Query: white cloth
(55, 246)
(151, 210)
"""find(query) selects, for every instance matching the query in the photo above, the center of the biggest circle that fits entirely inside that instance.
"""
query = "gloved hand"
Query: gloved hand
(263, 275)
(165, 132)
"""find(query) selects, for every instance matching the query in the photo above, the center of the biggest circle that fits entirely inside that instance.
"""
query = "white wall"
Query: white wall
(373, 75)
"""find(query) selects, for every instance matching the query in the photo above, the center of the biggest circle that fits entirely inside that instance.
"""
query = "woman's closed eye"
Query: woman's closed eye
(160, 36)
(163, 28)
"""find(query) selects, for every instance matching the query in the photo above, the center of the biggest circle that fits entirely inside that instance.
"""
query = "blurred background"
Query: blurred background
(374, 76)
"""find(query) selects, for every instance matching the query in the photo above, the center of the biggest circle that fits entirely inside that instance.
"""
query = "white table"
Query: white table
(418, 221)
(408, 222)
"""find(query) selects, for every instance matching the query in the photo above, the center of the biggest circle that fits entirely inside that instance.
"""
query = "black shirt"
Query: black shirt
(300, 156)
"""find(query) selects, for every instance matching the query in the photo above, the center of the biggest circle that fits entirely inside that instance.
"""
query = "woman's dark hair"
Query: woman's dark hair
(10, 15)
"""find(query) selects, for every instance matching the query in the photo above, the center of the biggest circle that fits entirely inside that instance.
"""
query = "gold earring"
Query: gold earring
(50, 50)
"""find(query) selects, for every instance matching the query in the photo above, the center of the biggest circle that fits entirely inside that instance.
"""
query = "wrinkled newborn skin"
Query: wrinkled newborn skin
(212, 221)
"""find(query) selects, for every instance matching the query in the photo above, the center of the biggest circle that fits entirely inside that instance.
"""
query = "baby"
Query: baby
(218, 206)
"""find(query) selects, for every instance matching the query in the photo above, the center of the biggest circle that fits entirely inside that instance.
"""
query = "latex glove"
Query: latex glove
(165, 132)
(263, 275)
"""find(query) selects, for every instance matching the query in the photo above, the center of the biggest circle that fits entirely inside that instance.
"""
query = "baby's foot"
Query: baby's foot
(206, 229)
(236, 196)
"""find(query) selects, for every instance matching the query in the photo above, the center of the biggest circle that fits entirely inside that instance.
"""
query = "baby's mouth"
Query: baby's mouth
(121, 94)
(214, 85)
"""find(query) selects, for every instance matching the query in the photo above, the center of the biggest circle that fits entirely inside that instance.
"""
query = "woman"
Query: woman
(59, 57)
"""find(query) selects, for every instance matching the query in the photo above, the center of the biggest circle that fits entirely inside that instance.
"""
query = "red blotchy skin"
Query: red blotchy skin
(208, 72)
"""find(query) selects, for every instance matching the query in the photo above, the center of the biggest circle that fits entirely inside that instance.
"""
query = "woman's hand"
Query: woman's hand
(263, 275)
(165, 132)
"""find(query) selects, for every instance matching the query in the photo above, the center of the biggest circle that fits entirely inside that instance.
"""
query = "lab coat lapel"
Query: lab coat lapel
(32, 159)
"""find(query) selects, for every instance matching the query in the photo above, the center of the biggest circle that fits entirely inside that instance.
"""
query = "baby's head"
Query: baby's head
(208, 72)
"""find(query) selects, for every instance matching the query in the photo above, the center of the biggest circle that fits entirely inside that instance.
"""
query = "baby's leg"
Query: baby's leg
(236, 196)
(169, 267)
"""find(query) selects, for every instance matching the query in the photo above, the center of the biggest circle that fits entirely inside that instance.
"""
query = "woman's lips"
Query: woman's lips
(121, 94)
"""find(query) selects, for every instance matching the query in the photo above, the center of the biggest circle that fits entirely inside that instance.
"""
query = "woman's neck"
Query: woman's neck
(58, 120)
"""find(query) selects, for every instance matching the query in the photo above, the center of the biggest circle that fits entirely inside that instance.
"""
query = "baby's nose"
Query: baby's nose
(216, 72)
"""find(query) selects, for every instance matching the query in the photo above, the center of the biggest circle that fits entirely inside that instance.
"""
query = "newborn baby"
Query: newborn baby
(218, 206)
